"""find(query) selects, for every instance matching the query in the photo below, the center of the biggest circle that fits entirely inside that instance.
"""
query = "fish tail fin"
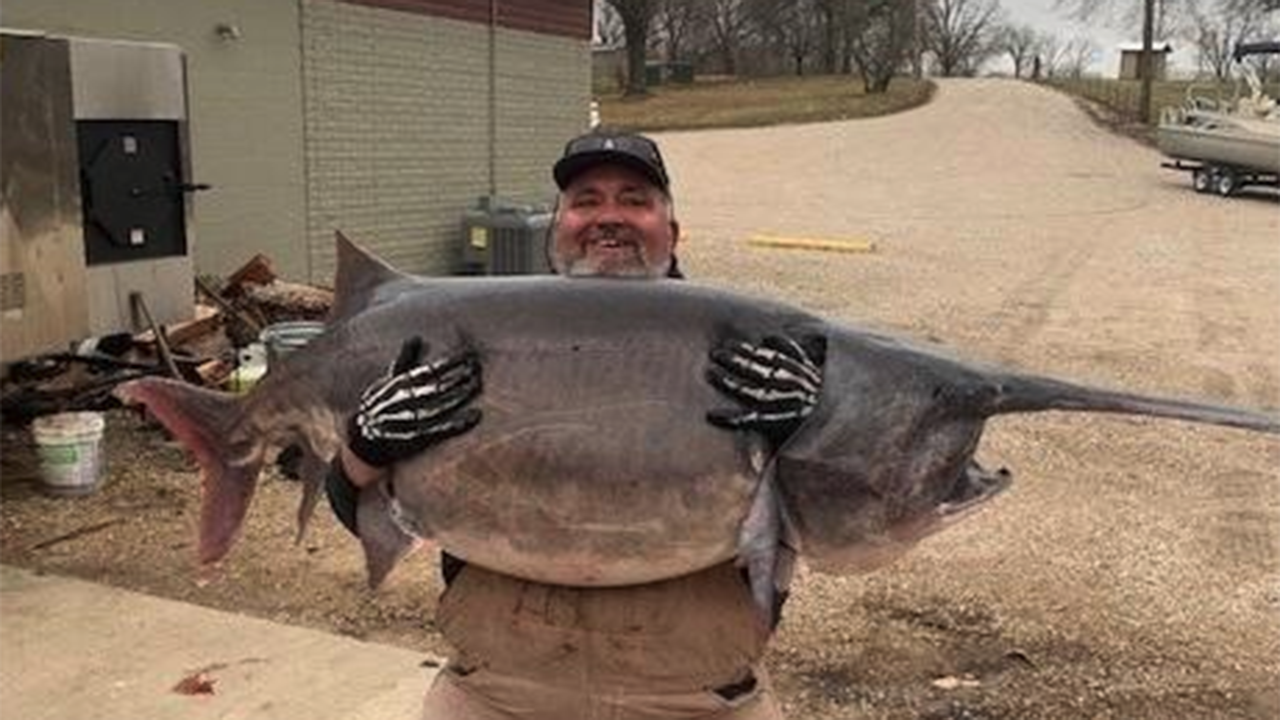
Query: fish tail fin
(202, 421)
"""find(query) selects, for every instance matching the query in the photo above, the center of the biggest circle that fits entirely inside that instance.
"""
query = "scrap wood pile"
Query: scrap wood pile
(230, 314)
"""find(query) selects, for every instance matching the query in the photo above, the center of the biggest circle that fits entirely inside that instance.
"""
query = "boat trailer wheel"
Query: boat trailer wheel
(1202, 179)
(1227, 183)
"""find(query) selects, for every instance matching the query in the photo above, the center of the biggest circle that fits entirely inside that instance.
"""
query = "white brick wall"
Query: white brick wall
(544, 96)
(397, 126)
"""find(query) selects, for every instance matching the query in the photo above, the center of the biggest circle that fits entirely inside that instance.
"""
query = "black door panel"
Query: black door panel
(132, 191)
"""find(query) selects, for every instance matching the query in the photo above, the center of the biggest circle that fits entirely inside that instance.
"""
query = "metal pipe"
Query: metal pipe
(493, 98)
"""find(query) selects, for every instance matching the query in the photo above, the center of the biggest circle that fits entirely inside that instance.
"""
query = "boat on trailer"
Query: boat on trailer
(1226, 144)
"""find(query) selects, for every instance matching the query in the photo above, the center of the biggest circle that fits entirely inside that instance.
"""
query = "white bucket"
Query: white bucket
(251, 365)
(68, 445)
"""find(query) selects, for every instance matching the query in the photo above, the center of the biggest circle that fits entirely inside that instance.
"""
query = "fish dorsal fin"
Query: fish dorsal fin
(358, 277)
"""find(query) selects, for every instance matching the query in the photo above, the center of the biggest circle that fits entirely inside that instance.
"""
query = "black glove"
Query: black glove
(288, 461)
(414, 406)
(776, 384)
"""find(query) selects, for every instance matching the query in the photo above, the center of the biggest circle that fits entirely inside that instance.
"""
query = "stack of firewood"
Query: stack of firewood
(229, 314)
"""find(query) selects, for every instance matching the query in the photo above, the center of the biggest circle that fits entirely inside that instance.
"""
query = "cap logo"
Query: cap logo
(608, 143)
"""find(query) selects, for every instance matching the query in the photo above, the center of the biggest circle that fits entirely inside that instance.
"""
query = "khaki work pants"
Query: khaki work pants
(680, 649)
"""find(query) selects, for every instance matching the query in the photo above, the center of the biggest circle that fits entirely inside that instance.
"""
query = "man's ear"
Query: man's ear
(673, 267)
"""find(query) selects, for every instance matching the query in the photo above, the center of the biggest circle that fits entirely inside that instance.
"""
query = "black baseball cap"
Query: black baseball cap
(600, 147)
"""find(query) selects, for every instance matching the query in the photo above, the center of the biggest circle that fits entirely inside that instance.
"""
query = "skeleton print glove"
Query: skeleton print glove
(775, 383)
(414, 406)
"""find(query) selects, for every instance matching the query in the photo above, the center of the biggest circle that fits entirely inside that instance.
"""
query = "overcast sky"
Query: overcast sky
(1106, 33)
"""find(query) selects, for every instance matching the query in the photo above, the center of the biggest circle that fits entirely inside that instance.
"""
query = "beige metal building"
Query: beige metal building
(386, 119)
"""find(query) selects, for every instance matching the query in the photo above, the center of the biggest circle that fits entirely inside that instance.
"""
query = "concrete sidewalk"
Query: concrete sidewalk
(73, 650)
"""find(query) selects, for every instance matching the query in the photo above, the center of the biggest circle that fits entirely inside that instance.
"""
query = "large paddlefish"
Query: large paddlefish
(593, 464)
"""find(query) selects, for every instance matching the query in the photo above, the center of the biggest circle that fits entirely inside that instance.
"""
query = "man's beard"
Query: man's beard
(629, 264)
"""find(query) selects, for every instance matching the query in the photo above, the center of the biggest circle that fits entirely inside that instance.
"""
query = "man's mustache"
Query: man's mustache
(612, 234)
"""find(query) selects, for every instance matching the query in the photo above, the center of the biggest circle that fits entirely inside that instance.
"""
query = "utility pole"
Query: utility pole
(1145, 64)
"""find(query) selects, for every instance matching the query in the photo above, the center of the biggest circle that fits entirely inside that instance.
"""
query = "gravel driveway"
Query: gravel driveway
(1132, 571)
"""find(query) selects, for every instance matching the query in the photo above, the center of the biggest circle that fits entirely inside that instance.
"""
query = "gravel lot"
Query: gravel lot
(1132, 570)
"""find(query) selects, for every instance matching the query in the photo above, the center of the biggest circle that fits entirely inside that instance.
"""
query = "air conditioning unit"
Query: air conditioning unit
(505, 239)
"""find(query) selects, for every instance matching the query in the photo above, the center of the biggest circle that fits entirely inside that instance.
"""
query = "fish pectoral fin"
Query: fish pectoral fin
(312, 470)
(387, 534)
(759, 546)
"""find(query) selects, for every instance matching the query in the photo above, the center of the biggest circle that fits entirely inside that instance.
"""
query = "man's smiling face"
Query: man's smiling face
(613, 221)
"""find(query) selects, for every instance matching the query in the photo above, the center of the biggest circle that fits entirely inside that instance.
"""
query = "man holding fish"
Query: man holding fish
(688, 647)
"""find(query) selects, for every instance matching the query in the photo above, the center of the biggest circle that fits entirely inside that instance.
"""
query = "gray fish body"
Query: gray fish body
(594, 464)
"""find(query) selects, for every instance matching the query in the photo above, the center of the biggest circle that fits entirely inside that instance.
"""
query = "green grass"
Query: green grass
(751, 103)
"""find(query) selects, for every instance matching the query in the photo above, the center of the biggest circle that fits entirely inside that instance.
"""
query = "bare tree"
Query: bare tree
(608, 25)
(1069, 59)
(833, 21)
(1019, 43)
(1052, 52)
(1217, 30)
(1077, 55)
(961, 33)
(636, 16)
(1152, 13)
(1092, 8)
(1046, 50)
(793, 27)
(880, 36)
(727, 20)
(1255, 6)
(676, 21)
(1265, 67)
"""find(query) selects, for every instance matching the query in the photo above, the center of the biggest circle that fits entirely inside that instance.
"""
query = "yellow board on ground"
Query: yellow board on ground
(812, 243)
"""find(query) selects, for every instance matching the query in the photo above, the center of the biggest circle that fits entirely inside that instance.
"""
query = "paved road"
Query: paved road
(1133, 569)
(74, 649)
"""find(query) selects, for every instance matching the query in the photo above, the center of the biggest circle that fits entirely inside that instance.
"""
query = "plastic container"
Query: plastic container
(287, 337)
(251, 365)
(69, 448)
